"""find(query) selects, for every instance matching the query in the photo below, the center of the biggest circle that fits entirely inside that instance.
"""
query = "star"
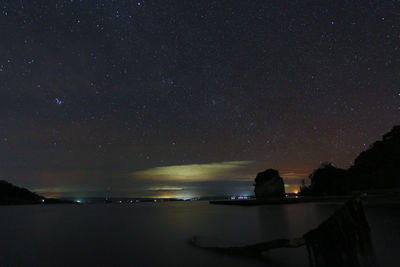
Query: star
(58, 101)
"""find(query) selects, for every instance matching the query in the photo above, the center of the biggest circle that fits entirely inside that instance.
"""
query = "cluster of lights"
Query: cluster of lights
(291, 195)
(240, 197)
(191, 199)
(127, 201)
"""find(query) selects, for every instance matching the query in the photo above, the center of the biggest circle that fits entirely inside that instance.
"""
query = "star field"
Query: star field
(94, 92)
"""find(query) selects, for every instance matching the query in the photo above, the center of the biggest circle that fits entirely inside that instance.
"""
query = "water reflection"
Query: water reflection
(156, 234)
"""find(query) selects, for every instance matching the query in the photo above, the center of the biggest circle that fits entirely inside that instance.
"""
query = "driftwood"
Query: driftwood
(341, 240)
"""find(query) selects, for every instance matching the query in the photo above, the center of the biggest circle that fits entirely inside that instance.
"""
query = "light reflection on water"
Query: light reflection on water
(157, 234)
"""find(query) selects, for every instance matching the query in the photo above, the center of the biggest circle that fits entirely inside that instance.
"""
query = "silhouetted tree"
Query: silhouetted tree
(328, 179)
(304, 190)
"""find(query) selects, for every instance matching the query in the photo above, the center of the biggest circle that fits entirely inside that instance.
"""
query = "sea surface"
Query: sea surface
(157, 234)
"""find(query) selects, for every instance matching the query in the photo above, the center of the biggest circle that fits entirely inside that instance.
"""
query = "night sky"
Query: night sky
(190, 98)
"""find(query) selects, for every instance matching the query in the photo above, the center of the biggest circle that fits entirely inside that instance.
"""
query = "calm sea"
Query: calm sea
(157, 234)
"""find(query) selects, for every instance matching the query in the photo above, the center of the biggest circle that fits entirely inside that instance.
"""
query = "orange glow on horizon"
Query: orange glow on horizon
(50, 195)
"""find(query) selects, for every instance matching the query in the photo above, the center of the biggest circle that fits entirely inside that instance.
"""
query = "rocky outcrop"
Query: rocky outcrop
(269, 184)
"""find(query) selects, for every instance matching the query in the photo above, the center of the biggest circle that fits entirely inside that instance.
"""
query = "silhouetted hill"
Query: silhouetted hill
(14, 195)
(379, 166)
(11, 194)
(376, 168)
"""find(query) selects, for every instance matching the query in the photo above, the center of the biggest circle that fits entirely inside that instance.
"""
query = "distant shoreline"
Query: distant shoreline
(46, 201)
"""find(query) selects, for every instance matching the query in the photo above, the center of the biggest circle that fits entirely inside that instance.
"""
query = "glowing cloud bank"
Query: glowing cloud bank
(195, 172)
